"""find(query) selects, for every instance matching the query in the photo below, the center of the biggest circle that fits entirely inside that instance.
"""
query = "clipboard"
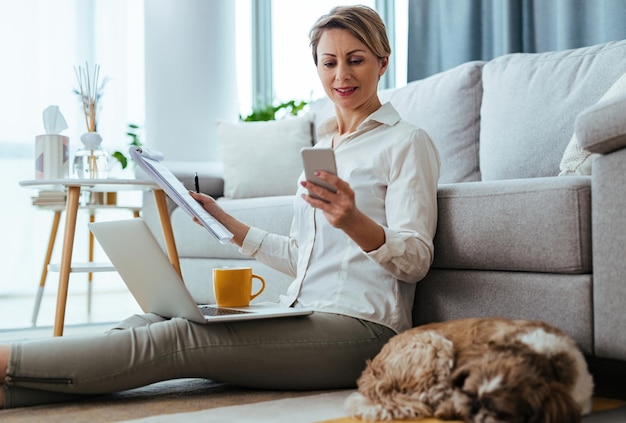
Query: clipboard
(150, 162)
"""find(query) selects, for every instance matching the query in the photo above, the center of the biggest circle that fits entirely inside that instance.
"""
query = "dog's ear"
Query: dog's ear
(459, 377)
(550, 403)
(563, 368)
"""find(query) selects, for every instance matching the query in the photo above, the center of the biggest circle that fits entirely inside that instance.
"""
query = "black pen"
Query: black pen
(195, 180)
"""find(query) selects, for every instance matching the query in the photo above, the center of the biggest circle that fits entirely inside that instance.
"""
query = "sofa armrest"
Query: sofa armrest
(608, 246)
(210, 175)
(602, 127)
(210, 178)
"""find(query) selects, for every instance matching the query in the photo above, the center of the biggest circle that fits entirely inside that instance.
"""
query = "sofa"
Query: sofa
(531, 197)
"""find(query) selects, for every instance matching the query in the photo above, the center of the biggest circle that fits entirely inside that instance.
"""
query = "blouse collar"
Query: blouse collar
(385, 115)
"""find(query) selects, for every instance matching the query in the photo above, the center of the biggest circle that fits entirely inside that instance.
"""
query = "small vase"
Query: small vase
(91, 161)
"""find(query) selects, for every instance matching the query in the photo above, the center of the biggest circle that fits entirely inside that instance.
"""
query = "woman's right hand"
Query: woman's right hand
(208, 203)
(341, 211)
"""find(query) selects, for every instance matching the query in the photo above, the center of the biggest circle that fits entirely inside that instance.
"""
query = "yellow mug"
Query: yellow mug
(233, 286)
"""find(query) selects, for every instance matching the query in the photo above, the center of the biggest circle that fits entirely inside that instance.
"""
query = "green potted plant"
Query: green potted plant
(269, 111)
(135, 140)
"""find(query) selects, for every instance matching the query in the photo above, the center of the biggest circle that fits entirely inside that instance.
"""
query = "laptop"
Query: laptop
(155, 284)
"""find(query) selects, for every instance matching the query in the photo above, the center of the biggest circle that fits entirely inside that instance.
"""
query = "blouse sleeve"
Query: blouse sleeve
(411, 210)
(279, 252)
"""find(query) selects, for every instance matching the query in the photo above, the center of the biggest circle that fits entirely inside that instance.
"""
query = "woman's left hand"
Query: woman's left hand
(340, 210)
(339, 207)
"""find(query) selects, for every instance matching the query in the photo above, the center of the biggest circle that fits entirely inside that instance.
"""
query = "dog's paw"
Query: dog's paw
(398, 407)
(359, 406)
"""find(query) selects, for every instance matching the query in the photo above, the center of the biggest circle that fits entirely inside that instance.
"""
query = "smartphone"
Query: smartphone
(315, 159)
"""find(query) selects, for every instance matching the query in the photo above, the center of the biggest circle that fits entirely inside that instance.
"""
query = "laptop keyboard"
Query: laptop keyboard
(216, 311)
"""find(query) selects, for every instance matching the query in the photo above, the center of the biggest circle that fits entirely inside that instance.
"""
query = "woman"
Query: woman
(355, 258)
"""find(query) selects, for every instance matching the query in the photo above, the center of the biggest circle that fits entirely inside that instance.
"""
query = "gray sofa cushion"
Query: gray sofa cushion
(447, 106)
(602, 127)
(272, 214)
(562, 300)
(530, 103)
(530, 225)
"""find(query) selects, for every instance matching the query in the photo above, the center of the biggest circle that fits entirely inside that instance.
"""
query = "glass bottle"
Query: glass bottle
(91, 161)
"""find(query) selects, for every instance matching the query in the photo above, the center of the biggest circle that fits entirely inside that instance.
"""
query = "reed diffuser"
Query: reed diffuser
(89, 95)
(91, 162)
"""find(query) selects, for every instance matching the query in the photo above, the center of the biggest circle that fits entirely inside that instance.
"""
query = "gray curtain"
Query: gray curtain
(446, 33)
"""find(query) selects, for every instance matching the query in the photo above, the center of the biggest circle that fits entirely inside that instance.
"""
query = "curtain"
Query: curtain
(445, 33)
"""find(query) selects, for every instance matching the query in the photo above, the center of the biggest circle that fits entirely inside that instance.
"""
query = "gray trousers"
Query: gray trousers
(320, 351)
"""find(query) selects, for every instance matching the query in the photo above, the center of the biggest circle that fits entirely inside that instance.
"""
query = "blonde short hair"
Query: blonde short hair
(361, 21)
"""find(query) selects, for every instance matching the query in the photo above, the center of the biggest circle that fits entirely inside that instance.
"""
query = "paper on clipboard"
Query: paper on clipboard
(150, 163)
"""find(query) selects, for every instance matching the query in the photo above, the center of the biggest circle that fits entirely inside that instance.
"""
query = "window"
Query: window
(291, 74)
(42, 41)
(294, 73)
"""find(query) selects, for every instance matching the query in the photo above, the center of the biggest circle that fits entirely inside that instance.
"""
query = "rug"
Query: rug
(164, 398)
(321, 408)
(307, 409)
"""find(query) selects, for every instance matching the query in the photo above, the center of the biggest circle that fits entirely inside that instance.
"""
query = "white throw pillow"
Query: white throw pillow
(263, 158)
(576, 160)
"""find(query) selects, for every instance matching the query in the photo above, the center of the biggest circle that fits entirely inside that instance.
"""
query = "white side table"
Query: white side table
(73, 188)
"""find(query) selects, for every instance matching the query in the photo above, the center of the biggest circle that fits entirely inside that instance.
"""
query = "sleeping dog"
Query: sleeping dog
(487, 370)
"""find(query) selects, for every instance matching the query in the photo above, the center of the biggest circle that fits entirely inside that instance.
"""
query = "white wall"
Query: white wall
(190, 76)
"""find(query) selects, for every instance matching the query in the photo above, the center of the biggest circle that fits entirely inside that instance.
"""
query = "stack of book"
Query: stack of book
(49, 198)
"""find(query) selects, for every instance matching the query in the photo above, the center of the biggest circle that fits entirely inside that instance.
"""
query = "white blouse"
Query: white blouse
(393, 168)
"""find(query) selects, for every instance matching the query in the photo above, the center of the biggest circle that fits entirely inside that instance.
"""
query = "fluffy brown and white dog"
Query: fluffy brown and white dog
(482, 370)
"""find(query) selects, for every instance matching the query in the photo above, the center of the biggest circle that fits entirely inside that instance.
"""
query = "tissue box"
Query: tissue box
(52, 156)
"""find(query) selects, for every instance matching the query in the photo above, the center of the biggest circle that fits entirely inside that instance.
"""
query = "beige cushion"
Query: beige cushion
(576, 160)
(263, 158)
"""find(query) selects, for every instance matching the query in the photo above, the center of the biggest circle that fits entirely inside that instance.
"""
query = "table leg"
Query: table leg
(73, 196)
(166, 226)
(46, 262)
(92, 219)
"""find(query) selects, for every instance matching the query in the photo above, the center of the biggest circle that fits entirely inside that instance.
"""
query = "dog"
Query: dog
(481, 370)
